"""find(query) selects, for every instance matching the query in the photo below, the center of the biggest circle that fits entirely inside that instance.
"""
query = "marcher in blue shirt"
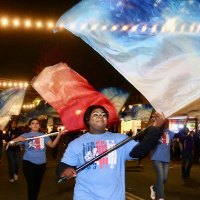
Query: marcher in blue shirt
(105, 178)
(160, 160)
(34, 159)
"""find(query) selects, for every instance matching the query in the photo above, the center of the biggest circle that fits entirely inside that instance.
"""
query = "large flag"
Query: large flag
(70, 95)
(154, 44)
(11, 101)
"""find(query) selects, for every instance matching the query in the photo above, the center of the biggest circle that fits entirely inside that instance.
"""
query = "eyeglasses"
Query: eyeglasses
(98, 115)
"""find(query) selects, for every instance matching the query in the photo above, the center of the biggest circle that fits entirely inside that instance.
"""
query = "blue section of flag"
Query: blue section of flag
(11, 101)
(159, 48)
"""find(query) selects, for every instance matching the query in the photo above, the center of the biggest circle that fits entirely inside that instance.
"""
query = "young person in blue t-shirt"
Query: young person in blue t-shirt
(34, 159)
(105, 178)
(161, 158)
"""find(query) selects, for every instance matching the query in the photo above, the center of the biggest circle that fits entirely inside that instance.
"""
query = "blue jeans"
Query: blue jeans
(161, 169)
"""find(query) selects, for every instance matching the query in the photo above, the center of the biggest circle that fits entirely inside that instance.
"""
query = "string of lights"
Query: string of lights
(171, 26)
(8, 22)
(7, 83)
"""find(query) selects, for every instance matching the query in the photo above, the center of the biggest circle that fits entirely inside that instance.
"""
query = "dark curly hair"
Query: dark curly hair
(88, 112)
(29, 123)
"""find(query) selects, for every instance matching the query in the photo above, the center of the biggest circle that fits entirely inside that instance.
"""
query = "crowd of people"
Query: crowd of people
(163, 144)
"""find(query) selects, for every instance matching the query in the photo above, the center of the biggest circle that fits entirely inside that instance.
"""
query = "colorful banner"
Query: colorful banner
(154, 44)
(70, 95)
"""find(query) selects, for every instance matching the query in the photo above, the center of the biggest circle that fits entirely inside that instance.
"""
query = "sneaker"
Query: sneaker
(16, 177)
(12, 180)
(153, 193)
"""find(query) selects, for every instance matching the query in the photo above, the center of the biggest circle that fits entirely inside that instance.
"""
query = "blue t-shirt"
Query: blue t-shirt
(35, 149)
(105, 178)
(162, 151)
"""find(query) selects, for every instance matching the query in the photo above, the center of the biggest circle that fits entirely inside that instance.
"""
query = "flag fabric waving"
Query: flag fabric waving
(141, 112)
(70, 95)
(11, 101)
(41, 111)
(117, 96)
(154, 44)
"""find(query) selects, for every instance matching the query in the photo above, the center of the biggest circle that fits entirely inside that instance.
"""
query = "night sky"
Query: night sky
(24, 51)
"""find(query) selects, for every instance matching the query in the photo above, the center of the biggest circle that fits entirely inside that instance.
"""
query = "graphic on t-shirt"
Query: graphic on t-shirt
(91, 150)
(37, 143)
(164, 138)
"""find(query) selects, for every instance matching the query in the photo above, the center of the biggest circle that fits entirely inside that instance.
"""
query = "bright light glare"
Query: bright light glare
(39, 24)
(4, 21)
(50, 25)
(27, 23)
(16, 22)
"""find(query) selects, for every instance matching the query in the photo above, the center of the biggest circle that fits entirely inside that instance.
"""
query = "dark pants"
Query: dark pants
(187, 162)
(33, 174)
(13, 162)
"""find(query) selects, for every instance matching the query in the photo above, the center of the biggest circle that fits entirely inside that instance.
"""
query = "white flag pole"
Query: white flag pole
(33, 138)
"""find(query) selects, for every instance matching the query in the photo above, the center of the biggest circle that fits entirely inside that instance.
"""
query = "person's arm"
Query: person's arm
(19, 139)
(150, 138)
(64, 170)
(16, 141)
(146, 143)
(51, 143)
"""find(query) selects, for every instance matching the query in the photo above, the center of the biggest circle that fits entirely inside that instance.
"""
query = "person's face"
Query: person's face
(98, 121)
(13, 124)
(34, 126)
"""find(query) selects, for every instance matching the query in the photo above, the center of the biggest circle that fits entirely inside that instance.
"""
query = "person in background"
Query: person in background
(34, 159)
(197, 147)
(161, 158)
(105, 178)
(187, 154)
(176, 149)
(13, 152)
